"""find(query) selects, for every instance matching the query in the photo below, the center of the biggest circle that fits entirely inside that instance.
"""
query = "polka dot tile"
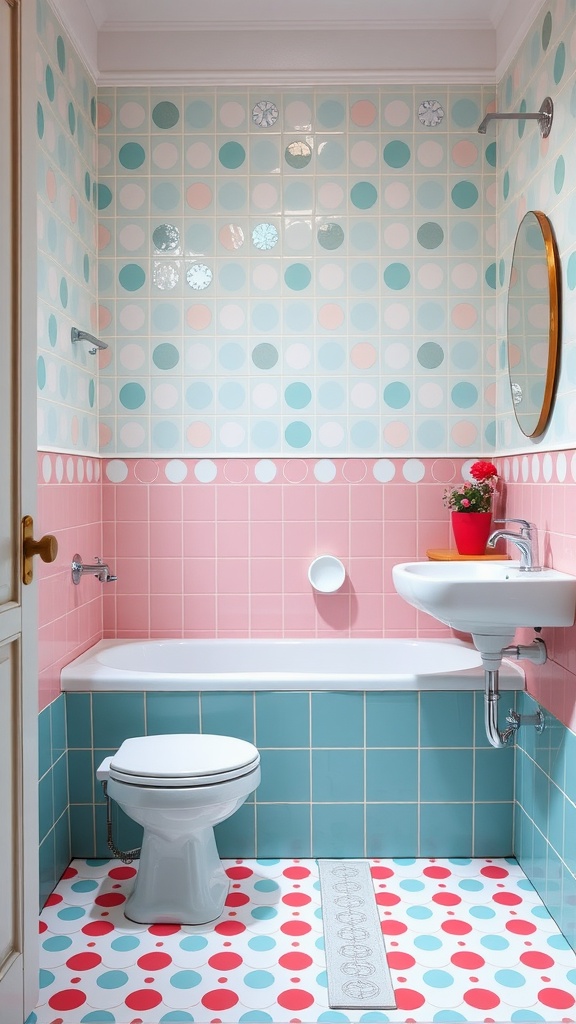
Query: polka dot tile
(263, 960)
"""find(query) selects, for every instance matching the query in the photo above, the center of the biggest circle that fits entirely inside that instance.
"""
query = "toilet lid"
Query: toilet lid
(183, 759)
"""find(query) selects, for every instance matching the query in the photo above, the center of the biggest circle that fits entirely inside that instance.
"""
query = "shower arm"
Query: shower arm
(544, 117)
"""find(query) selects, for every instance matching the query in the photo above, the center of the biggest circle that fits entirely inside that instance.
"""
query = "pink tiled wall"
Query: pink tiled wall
(542, 489)
(229, 557)
(70, 617)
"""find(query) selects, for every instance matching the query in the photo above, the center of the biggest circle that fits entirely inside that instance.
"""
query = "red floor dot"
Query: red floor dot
(540, 961)
(295, 961)
(296, 899)
(98, 928)
(42, 927)
(507, 899)
(408, 999)
(557, 998)
(494, 872)
(295, 928)
(153, 962)
(225, 961)
(124, 872)
(70, 873)
(296, 872)
(392, 927)
(143, 999)
(295, 999)
(468, 961)
(378, 872)
(83, 961)
(456, 927)
(481, 998)
(109, 899)
(520, 927)
(400, 961)
(164, 929)
(446, 899)
(219, 999)
(436, 872)
(53, 899)
(229, 928)
(387, 899)
(239, 872)
(67, 999)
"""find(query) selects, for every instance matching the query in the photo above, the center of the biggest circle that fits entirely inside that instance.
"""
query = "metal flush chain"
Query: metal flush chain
(125, 856)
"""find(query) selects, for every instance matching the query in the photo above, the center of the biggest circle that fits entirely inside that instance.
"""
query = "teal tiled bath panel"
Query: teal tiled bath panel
(344, 774)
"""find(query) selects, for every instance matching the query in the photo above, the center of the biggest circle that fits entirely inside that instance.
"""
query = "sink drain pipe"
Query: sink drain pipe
(534, 652)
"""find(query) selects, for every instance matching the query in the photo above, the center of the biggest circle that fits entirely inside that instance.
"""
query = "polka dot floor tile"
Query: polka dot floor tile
(466, 940)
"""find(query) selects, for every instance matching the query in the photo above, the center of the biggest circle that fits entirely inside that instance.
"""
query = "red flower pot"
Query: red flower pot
(471, 531)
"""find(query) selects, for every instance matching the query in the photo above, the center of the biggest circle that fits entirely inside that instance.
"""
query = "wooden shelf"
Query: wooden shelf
(451, 555)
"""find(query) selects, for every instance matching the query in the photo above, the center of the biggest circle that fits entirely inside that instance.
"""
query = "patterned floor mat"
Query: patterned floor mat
(467, 940)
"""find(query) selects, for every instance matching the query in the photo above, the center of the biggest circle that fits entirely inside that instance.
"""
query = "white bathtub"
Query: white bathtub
(282, 665)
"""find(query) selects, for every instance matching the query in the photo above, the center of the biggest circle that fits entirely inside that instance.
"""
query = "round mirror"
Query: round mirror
(533, 323)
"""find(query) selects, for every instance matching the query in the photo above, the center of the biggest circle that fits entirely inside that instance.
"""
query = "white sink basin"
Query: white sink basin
(487, 597)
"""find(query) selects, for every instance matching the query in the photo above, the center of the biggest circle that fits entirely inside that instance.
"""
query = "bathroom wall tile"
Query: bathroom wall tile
(392, 829)
(446, 825)
(281, 826)
(58, 728)
(47, 868)
(285, 776)
(493, 830)
(391, 719)
(117, 716)
(172, 712)
(494, 775)
(228, 714)
(338, 830)
(444, 723)
(45, 805)
(81, 778)
(392, 775)
(44, 742)
(60, 787)
(337, 777)
(448, 771)
(282, 720)
(82, 830)
(236, 837)
(337, 720)
(79, 719)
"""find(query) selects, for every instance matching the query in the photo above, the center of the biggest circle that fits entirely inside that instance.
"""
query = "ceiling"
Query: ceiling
(300, 42)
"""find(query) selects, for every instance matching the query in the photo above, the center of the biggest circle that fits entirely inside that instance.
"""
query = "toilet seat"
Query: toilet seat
(182, 759)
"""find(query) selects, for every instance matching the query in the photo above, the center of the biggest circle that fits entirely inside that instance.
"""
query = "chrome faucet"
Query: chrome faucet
(526, 541)
(100, 570)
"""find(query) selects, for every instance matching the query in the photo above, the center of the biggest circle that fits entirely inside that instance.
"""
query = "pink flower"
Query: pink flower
(465, 502)
(483, 470)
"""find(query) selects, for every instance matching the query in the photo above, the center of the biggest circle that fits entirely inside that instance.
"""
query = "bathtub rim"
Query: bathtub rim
(83, 675)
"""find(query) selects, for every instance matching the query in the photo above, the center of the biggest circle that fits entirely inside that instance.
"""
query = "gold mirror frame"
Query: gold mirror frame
(533, 322)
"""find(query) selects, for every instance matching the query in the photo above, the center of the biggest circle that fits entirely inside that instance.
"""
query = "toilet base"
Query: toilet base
(180, 880)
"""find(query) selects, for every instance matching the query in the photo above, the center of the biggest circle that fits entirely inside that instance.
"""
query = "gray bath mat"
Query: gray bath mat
(358, 974)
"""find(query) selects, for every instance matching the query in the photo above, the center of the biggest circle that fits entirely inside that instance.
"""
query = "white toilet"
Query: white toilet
(178, 787)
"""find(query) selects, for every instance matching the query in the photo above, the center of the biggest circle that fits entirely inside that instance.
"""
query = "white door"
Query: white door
(18, 625)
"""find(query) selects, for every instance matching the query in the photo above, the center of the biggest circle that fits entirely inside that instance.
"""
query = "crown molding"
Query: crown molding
(76, 17)
(337, 25)
(513, 27)
(295, 80)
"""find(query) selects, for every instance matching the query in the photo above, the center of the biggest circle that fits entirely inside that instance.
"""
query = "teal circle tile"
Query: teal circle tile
(364, 276)
(231, 356)
(364, 236)
(56, 943)
(331, 155)
(262, 943)
(330, 236)
(86, 267)
(232, 155)
(430, 235)
(41, 372)
(132, 277)
(430, 195)
(297, 434)
(232, 196)
(571, 271)
(166, 316)
(297, 276)
(490, 433)
(396, 154)
(490, 275)
(39, 120)
(93, 110)
(165, 436)
(259, 979)
(265, 435)
(330, 114)
(165, 196)
(165, 114)
(419, 913)
(61, 53)
(464, 355)
(45, 978)
(232, 395)
(165, 356)
(298, 316)
(185, 979)
(64, 292)
(265, 355)
(298, 395)
(193, 943)
(431, 435)
(166, 237)
(490, 154)
(331, 395)
(297, 197)
(364, 316)
(331, 355)
(506, 185)
(103, 195)
(264, 913)
(431, 316)
(397, 395)
(397, 276)
(131, 155)
(132, 395)
(265, 316)
(521, 125)
(63, 382)
(502, 271)
(71, 118)
(71, 913)
(91, 393)
(88, 190)
(198, 114)
(49, 83)
(199, 395)
(363, 195)
(465, 113)
(464, 195)
(232, 277)
(364, 435)
(464, 395)
(464, 236)
(298, 154)
(52, 330)
(559, 174)
(546, 30)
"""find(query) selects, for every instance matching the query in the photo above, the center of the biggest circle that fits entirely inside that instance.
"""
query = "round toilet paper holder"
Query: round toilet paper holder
(326, 574)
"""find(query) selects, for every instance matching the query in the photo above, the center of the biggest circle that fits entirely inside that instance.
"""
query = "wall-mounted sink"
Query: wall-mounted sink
(487, 597)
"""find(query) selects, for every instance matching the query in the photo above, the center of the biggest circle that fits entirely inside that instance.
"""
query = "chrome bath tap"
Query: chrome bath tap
(100, 570)
(526, 541)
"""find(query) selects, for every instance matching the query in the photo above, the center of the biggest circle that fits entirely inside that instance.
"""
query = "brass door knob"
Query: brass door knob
(46, 547)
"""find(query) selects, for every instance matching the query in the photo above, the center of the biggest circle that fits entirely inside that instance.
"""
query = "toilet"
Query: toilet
(178, 787)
